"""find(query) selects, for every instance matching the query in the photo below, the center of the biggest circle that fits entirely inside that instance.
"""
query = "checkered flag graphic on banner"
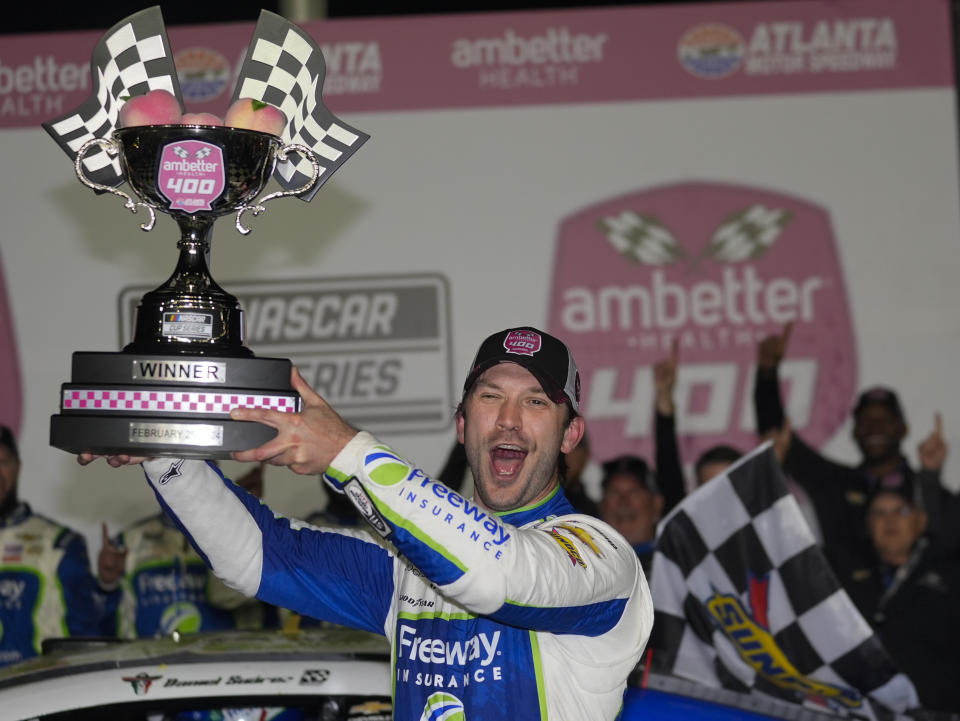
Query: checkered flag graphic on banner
(745, 599)
(641, 238)
(132, 58)
(748, 233)
(285, 67)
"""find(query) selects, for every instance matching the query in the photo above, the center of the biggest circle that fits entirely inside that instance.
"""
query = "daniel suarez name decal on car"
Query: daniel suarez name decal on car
(439, 652)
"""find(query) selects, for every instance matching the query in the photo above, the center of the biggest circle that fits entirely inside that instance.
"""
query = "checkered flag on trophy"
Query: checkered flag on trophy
(285, 68)
(132, 58)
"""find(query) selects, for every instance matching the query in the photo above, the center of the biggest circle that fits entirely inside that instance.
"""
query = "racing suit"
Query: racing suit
(46, 588)
(534, 613)
(167, 587)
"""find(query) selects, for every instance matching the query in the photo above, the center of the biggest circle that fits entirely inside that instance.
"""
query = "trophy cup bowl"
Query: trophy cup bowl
(170, 390)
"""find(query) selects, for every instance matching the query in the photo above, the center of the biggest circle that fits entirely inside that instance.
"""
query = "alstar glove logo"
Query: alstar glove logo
(172, 472)
(715, 268)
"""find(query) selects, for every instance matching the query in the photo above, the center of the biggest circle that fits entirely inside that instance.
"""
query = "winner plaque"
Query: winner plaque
(170, 390)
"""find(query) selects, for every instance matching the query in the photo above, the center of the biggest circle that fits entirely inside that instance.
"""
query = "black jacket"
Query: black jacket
(915, 609)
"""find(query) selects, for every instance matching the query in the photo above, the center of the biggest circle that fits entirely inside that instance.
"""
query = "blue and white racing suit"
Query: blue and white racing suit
(167, 587)
(46, 588)
(537, 613)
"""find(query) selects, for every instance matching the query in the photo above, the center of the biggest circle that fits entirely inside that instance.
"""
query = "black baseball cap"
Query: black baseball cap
(882, 396)
(546, 357)
(7, 439)
(897, 483)
(632, 466)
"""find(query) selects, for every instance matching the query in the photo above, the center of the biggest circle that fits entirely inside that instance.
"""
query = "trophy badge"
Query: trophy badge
(170, 390)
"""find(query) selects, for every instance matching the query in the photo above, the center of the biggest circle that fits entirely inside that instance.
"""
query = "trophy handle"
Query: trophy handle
(282, 155)
(111, 148)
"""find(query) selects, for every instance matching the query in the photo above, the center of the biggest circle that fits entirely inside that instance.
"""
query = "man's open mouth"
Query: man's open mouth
(507, 459)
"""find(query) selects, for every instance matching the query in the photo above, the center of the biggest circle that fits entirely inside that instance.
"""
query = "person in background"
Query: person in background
(908, 591)
(632, 504)
(839, 492)
(154, 583)
(667, 459)
(573, 486)
(710, 463)
(714, 461)
(46, 587)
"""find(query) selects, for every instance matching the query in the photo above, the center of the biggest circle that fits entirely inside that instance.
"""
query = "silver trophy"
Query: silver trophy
(171, 389)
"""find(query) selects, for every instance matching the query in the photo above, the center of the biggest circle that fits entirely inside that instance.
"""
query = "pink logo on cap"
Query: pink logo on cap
(891, 481)
(191, 174)
(716, 268)
(522, 342)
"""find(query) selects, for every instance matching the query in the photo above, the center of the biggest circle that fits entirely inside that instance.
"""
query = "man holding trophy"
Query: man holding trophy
(506, 605)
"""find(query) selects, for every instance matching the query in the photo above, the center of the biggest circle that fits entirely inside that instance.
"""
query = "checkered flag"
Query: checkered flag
(285, 67)
(132, 58)
(641, 238)
(744, 599)
(748, 233)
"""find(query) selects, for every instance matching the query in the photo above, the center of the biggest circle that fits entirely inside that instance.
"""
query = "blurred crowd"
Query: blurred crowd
(889, 530)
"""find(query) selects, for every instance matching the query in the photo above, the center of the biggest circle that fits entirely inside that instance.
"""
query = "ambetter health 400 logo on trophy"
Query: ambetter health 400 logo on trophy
(171, 389)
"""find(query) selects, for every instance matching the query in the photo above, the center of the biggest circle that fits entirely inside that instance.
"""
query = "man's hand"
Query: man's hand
(781, 439)
(111, 561)
(933, 450)
(665, 378)
(115, 461)
(306, 442)
(770, 350)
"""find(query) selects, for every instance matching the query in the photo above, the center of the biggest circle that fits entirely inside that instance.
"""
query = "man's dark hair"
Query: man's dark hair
(718, 454)
(7, 439)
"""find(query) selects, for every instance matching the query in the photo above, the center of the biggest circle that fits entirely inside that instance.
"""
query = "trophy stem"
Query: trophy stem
(190, 313)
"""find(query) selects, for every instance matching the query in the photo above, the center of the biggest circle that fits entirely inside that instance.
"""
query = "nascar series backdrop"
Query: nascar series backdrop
(621, 177)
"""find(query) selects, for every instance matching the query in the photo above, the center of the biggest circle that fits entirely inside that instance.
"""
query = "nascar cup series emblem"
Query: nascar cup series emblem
(171, 389)
(714, 268)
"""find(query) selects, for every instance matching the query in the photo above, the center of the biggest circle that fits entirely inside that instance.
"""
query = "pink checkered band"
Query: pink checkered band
(172, 401)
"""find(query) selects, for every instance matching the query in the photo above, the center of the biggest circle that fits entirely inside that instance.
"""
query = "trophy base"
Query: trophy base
(168, 405)
(136, 436)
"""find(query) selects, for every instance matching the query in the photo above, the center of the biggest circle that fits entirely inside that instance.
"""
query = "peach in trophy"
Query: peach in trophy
(200, 119)
(255, 115)
(157, 107)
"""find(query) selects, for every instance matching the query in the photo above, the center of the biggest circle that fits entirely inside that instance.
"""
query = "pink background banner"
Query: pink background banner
(569, 56)
(715, 268)
(11, 392)
(623, 177)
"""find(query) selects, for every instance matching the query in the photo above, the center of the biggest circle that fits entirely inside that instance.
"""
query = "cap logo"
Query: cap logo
(522, 342)
(891, 481)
